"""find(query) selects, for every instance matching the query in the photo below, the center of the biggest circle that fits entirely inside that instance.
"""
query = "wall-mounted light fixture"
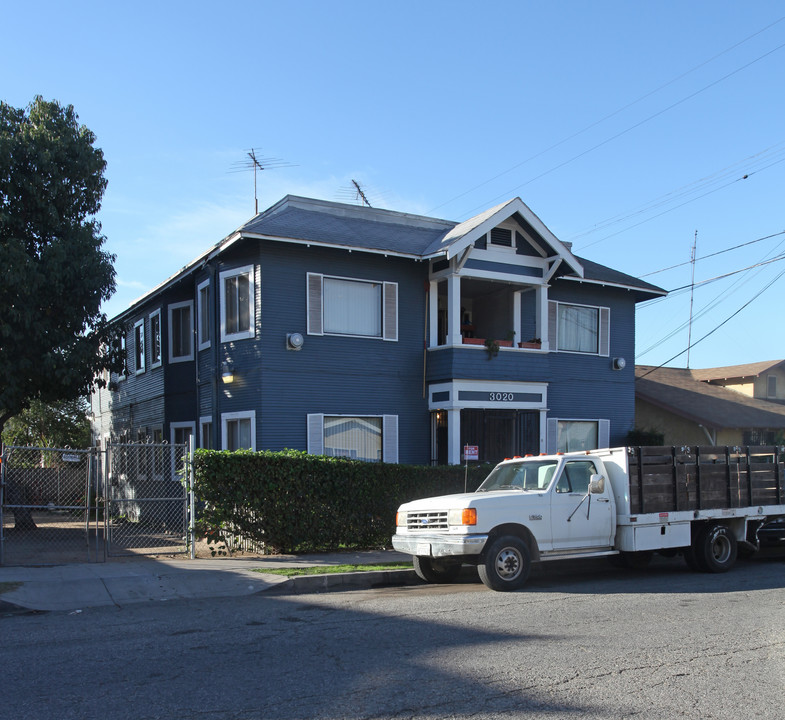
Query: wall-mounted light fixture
(619, 363)
(227, 373)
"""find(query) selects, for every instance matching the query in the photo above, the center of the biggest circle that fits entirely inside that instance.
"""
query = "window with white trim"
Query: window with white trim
(579, 328)
(371, 438)
(239, 430)
(238, 317)
(139, 349)
(155, 338)
(203, 314)
(181, 433)
(181, 347)
(352, 307)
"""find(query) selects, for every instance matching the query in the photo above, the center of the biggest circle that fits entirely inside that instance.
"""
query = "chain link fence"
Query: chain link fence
(147, 499)
(61, 506)
(46, 497)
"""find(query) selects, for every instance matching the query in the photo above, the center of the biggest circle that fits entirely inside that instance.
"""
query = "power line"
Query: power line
(668, 198)
(627, 130)
(607, 117)
(711, 332)
(714, 254)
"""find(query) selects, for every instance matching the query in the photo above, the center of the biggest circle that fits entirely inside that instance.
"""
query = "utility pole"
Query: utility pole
(692, 292)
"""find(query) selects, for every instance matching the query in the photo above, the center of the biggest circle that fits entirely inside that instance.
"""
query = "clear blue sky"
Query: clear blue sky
(626, 126)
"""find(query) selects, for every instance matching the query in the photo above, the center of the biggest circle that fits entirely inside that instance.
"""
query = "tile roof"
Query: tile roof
(680, 391)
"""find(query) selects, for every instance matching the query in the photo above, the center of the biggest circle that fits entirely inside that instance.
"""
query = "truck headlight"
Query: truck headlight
(401, 518)
(462, 516)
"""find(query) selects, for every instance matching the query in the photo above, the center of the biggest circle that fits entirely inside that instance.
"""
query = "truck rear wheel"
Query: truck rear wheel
(435, 571)
(715, 549)
(506, 565)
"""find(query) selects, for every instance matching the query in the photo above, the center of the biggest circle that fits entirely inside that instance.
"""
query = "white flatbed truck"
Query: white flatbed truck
(627, 503)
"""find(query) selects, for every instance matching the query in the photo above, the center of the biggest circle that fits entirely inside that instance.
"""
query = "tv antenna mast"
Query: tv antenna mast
(256, 163)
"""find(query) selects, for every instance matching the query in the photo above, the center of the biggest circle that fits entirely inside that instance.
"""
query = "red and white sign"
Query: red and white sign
(471, 452)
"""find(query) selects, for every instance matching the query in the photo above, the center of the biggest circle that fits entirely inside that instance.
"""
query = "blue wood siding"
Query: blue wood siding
(330, 375)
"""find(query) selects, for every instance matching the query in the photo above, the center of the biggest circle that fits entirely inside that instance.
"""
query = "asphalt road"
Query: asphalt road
(586, 641)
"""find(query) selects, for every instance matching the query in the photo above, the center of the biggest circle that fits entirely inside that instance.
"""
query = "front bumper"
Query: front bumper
(439, 545)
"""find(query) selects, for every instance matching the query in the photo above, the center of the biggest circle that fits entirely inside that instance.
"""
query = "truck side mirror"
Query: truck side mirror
(597, 484)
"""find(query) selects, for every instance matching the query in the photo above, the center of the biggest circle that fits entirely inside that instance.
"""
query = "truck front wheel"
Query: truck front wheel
(715, 549)
(434, 571)
(506, 565)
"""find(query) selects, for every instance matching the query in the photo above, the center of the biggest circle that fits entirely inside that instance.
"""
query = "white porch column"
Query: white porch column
(454, 310)
(454, 437)
(541, 306)
(516, 318)
(433, 314)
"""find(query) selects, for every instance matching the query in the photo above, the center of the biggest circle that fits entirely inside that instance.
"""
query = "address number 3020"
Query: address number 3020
(501, 396)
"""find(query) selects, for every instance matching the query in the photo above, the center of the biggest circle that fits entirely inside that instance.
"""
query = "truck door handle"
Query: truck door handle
(602, 500)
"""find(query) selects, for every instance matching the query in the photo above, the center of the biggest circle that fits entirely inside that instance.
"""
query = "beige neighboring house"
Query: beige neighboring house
(734, 405)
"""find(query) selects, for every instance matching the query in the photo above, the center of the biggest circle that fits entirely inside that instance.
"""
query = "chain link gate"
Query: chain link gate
(149, 499)
(47, 498)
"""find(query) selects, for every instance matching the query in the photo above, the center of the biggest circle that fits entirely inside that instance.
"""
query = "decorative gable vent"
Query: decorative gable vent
(501, 236)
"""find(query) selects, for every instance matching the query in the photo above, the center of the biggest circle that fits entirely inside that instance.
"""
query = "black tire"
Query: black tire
(506, 564)
(715, 549)
(436, 571)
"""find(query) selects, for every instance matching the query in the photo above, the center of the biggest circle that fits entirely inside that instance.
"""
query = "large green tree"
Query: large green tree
(61, 424)
(54, 274)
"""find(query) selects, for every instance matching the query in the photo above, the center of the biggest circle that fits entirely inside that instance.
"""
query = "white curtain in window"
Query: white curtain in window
(579, 328)
(359, 438)
(352, 307)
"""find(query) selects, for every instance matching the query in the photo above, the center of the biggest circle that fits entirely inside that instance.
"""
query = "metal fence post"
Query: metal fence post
(192, 523)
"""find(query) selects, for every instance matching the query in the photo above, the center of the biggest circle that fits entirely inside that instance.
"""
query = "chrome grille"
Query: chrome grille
(427, 520)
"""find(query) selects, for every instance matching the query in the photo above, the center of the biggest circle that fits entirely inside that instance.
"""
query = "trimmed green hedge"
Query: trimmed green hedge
(295, 502)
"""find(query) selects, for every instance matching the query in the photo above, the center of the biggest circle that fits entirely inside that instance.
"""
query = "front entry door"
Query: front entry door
(579, 520)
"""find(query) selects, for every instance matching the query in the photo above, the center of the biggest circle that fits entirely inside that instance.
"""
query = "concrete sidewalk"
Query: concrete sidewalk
(120, 582)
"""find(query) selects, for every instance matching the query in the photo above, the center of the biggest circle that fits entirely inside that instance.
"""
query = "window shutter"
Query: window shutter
(316, 434)
(391, 311)
(605, 331)
(553, 307)
(315, 306)
(604, 433)
(390, 439)
(481, 243)
(552, 441)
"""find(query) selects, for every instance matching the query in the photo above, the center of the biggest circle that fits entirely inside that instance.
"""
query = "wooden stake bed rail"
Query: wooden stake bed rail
(669, 479)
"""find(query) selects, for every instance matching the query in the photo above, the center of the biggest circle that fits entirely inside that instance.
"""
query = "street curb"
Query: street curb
(370, 579)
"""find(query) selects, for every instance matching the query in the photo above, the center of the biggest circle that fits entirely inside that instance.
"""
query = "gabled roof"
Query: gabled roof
(679, 391)
(737, 372)
(308, 221)
(319, 222)
(602, 275)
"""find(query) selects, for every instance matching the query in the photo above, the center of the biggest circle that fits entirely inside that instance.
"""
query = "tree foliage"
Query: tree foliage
(54, 274)
(59, 424)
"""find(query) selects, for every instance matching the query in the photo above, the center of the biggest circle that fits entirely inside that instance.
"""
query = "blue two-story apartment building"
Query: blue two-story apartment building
(372, 334)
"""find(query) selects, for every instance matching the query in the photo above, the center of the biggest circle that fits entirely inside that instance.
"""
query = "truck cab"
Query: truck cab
(527, 509)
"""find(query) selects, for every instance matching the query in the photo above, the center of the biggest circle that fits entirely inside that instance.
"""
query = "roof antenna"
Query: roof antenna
(360, 193)
(692, 292)
(255, 163)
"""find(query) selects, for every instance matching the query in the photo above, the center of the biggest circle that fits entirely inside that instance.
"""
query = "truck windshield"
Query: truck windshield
(534, 476)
